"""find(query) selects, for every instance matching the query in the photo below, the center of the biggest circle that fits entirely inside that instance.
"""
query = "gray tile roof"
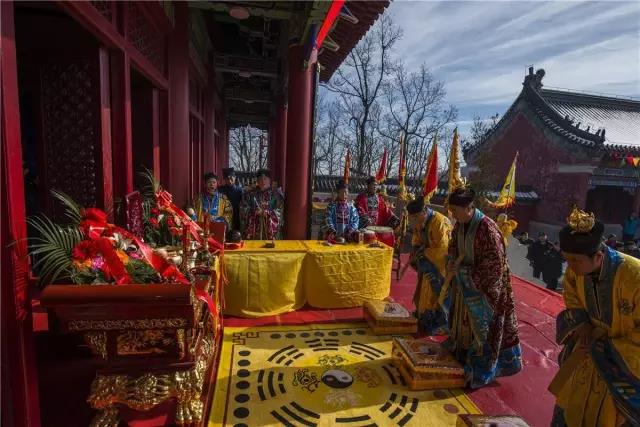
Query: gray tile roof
(604, 124)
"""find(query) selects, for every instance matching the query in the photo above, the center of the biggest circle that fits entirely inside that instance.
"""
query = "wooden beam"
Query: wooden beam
(251, 66)
(253, 11)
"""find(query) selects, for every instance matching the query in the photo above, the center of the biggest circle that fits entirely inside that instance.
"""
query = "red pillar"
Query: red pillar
(178, 159)
(121, 119)
(281, 144)
(299, 144)
(20, 405)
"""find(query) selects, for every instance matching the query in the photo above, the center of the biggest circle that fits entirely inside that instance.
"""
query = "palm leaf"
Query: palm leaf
(72, 209)
(151, 185)
(52, 247)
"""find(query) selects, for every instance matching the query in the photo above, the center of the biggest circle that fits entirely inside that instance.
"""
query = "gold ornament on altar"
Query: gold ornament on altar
(581, 221)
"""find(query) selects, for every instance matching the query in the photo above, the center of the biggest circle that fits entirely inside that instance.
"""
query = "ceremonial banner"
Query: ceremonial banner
(507, 196)
(430, 183)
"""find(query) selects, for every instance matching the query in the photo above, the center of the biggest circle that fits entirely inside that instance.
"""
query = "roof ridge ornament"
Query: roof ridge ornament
(534, 80)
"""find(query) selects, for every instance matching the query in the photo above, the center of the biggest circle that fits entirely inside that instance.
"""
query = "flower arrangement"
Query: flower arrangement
(162, 226)
(90, 250)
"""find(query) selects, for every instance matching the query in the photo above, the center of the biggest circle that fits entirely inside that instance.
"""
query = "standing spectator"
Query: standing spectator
(629, 227)
(552, 268)
(611, 241)
(524, 239)
(536, 254)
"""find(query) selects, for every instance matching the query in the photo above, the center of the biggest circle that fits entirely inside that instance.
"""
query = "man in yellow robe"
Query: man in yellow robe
(598, 382)
(430, 241)
(506, 226)
(211, 202)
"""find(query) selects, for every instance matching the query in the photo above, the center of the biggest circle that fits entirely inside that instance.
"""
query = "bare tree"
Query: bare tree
(358, 83)
(248, 148)
(485, 177)
(416, 108)
(330, 140)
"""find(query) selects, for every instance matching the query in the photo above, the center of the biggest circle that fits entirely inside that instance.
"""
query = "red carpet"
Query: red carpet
(524, 394)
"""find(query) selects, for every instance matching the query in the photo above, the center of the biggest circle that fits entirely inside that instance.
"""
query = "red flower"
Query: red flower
(84, 250)
(170, 221)
(155, 211)
(154, 222)
(94, 214)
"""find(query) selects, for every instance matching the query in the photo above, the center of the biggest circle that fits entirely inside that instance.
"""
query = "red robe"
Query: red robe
(373, 210)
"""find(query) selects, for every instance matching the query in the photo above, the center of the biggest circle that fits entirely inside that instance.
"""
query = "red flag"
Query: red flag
(382, 170)
(347, 165)
(431, 173)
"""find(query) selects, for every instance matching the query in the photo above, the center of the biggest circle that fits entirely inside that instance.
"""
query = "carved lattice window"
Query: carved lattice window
(105, 8)
(145, 37)
(70, 129)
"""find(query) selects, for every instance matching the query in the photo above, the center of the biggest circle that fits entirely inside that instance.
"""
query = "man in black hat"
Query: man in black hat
(341, 217)
(599, 377)
(373, 209)
(262, 210)
(482, 319)
(430, 241)
(234, 192)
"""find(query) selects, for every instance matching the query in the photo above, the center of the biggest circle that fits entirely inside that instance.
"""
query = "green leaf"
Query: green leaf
(151, 185)
(72, 209)
(51, 248)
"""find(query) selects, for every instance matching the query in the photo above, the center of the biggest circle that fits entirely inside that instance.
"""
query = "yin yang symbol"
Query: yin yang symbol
(336, 378)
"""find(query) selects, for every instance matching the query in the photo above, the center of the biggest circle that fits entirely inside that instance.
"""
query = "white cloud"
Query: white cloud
(482, 49)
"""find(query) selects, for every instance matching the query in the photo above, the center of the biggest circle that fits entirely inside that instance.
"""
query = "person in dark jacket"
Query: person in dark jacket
(524, 239)
(537, 254)
(233, 192)
(552, 268)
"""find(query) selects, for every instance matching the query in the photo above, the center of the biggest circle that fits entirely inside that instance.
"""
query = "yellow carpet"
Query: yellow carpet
(321, 375)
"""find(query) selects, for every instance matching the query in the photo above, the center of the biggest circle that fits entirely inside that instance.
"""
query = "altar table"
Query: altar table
(267, 281)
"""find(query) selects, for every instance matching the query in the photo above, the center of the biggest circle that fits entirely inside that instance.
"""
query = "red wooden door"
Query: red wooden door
(20, 405)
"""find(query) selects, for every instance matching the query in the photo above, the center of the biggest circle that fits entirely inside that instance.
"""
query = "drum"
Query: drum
(383, 234)
(368, 236)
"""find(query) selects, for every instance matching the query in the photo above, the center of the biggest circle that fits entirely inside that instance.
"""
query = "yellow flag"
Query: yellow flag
(455, 177)
(507, 196)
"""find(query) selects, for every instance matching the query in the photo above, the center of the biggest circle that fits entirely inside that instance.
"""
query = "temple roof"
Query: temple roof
(347, 33)
(602, 123)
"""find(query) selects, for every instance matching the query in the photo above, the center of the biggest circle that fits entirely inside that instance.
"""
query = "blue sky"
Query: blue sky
(481, 49)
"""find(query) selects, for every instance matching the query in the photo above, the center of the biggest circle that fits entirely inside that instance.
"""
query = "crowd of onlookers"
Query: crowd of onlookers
(546, 259)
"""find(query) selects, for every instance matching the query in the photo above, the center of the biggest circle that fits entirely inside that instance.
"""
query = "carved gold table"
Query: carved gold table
(153, 342)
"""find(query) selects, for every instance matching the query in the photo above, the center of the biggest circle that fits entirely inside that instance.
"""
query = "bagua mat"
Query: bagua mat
(321, 375)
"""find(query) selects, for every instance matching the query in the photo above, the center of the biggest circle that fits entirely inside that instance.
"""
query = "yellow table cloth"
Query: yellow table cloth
(341, 276)
(264, 281)
(267, 281)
